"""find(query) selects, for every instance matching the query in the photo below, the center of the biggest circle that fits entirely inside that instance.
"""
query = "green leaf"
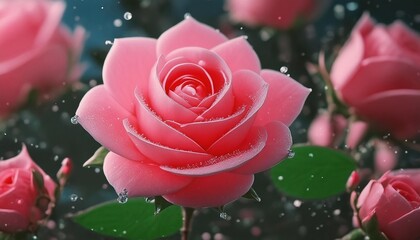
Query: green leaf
(356, 234)
(372, 229)
(98, 158)
(313, 173)
(134, 220)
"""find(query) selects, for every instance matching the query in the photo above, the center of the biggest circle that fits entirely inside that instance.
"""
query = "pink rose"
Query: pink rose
(377, 73)
(395, 200)
(275, 13)
(22, 202)
(36, 51)
(190, 116)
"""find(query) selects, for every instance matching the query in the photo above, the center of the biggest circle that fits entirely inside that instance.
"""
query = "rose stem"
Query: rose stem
(187, 215)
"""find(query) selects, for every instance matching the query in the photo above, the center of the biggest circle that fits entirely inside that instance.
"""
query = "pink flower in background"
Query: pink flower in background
(326, 130)
(377, 73)
(22, 202)
(190, 116)
(274, 13)
(36, 51)
(395, 200)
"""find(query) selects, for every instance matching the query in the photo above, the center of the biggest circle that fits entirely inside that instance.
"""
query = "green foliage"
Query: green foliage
(313, 173)
(98, 158)
(135, 219)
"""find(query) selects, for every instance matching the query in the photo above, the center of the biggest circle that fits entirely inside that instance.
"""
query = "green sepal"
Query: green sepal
(38, 181)
(356, 234)
(252, 194)
(371, 228)
(161, 204)
(97, 158)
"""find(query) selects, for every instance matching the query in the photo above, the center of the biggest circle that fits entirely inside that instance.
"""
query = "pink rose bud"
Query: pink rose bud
(395, 201)
(24, 201)
(381, 84)
(37, 52)
(385, 156)
(64, 172)
(275, 13)
(355, 134)
(190, 116)
(325, 130)
(353, 181)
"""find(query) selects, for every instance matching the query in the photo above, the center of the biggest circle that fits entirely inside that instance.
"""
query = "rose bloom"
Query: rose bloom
(377, 73)
(36, 51)
(190, 116)
(22, 203)
(275, 13)
(395, 200)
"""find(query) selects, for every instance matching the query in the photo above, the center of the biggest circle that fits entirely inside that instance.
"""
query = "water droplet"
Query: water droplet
(284, 69)
(224, 216)
(128, 15)
(123, 196)
(108, 42)
(74, 119)
(280, 178)
(73, 197)
(187, 15)
(201, 63)
(117, 22)
(352, 6)
(157, 211)
(297, 203)
(311, 155)
(290, 154)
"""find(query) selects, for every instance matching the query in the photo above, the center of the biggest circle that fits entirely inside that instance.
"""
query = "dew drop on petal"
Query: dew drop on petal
(123, 196)
(284, 69)
(187, 15)
(74, 119)
(128, 16)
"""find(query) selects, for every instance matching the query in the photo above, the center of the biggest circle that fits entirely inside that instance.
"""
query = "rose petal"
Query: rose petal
(386, 209)
(163, 154)
(279, 141)
(254, 143)
(405, 37)
(156, 130)
(380, 74)
(406, 227)
(394, 111)
(239, 55)
(128, 64)
(188, 33)
(164, 106)
(369, 198)
(285, 99)
(51, 22)
(22, 161)
(102, 117)
(218, 128)
(221, 77)
(12, 221)
(411, 176)
(140, 180)
(212, 191)
(348, 60)
(250, 91)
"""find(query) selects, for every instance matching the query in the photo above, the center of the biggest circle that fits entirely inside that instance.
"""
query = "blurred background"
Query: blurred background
(50, 136)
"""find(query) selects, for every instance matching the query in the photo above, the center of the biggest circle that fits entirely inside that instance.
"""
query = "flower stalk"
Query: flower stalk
(187, 216)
